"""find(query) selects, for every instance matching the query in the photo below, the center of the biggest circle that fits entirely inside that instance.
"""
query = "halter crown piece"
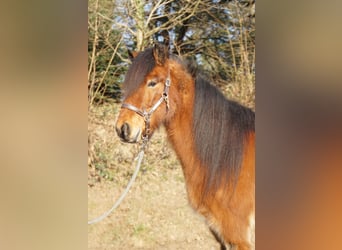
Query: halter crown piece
(147, 114)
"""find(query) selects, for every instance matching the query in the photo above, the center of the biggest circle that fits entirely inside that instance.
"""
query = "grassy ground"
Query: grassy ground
(155, 214)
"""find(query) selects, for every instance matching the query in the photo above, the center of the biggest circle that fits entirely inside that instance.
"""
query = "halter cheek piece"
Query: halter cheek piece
(147, 114)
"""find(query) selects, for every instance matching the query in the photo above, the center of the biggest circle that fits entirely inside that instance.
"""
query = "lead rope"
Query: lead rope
(139, 159)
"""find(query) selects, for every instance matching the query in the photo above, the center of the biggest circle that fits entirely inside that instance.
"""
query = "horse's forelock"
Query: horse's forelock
(142, 64)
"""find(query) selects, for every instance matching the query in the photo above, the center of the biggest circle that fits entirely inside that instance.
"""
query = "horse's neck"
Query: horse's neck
(180, 135)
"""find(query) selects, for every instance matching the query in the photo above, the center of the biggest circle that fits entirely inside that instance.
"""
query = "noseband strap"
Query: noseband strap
(147, 114)
(133, 108)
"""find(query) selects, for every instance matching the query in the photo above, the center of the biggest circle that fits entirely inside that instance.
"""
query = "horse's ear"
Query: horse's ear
(132, 54)
(160, 53)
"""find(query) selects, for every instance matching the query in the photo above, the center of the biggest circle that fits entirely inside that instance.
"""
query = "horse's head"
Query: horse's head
(146, 102)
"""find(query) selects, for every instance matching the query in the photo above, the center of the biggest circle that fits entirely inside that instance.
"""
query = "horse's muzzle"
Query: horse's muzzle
(126, 133)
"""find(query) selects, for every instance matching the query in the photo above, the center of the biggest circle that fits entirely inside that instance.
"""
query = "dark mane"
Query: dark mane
(220, 129)
(141, 66)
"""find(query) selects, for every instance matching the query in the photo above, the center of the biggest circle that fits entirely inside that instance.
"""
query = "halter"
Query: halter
(147, 114)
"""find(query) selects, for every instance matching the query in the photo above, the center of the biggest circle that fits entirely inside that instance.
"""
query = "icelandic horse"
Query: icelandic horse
(214, 139)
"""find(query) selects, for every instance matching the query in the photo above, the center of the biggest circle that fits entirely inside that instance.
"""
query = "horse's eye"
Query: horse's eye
(151, 84)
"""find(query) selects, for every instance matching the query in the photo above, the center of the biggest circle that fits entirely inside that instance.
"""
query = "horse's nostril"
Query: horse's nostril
(125, 130)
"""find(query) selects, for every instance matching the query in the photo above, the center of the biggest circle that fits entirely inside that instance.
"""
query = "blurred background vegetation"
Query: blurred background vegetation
(218, 35)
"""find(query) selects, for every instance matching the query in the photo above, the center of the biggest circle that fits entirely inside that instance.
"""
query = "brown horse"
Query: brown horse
(213, 138)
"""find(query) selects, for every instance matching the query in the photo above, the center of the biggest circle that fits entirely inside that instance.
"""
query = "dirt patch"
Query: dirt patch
(155, 214)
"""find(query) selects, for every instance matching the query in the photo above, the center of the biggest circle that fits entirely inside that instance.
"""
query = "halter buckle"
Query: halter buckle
(167, 82)
(166, 99)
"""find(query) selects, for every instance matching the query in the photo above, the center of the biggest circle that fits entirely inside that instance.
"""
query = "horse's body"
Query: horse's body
(213, 138)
